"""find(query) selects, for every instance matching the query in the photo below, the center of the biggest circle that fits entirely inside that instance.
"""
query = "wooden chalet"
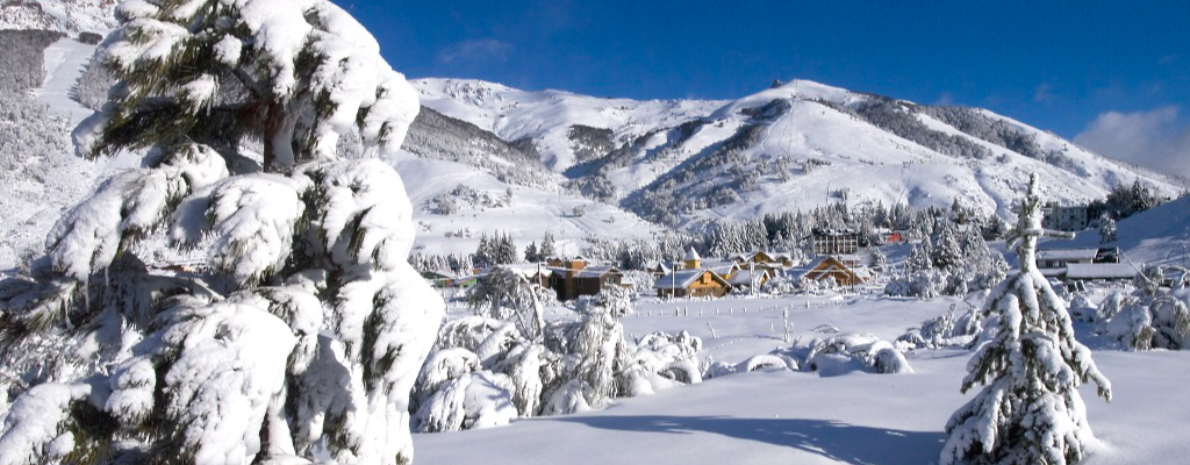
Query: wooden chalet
(765, 259)
(659, 269)
(446, 281)
(755, 277)
(573, 278)
(1059, 258)
(830, 267)
(533, 273)
(692, 283)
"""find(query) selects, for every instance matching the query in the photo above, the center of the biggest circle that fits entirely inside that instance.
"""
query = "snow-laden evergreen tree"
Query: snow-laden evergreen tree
(1029, 410)
(299, 338)
(947, 254)
(503, 294)
(599, 344)
(548, 248)
(1107, 230)
(919, 258)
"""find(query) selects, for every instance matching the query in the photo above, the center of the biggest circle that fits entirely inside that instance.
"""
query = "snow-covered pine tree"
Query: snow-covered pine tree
(548, 248)
(531, 255)
(1107, 230)
(301, 336)
(600, 345)
(1029, 410)
(876, 259)
(502, 294)
(919, 257)
(947, 254)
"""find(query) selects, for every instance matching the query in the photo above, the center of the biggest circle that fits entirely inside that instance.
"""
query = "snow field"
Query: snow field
(801, 417)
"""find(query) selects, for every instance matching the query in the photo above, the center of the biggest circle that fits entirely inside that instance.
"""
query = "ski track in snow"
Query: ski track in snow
(64, 62)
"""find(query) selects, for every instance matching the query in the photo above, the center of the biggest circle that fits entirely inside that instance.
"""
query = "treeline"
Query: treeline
(787, 232)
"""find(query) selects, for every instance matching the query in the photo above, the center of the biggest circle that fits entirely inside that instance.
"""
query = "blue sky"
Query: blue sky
(1083, 69)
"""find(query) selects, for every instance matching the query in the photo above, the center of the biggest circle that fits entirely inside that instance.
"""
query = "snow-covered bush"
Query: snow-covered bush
(949, 330)
(571, 366)
(1082, 309)
(771, 361)
(1029, 410)
(659, 361)
(867, 352)
(300, 337)
(503, 294)
(1153, 317)
(922, 284)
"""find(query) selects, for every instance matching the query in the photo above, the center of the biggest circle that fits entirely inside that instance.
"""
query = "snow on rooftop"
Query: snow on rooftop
(1067, 254)
(678, 280)
(1100, 271)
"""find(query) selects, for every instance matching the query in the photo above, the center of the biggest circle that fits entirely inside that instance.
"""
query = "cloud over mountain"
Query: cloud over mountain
(1158, 139)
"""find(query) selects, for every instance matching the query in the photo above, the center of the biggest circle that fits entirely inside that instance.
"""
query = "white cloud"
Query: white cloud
(944, 100)
(1157, 139)
(477, 50)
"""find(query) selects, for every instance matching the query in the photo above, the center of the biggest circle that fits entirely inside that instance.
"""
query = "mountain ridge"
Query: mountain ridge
(827, 143)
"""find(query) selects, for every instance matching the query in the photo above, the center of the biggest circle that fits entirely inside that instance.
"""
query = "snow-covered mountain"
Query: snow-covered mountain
(465, 182)
(66, 16)
(790, 147)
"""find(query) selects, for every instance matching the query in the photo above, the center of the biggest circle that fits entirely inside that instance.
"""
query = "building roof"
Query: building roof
(1100, 271)
(691, 255)
(660, 265)
(820, 232)
(684, 279)
(1067, 254)
(823, 265)
(745, 277)
(595, 272)
(528, 270)
(678, 279)
(1052, 272)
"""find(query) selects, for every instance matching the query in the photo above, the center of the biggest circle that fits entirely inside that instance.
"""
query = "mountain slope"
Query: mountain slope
(791, 147)
(547, 117)
(67, 16)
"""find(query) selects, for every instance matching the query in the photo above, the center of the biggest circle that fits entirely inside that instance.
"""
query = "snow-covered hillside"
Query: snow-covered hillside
(67, 16)
(791, 147)
(1160, 236)
(549, 118)
(483, 204)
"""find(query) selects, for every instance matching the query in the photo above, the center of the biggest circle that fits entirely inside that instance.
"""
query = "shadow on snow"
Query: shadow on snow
(858, 445)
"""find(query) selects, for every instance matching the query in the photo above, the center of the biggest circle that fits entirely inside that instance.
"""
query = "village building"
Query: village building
(1104, 272)
(1072, 218)
(692, 283)
(844, 272)
(444, 280)
(765, 259)
(534, 273)
(692, 261)
(835, 241)
(1059, 258)
(572, 278)
(753, 278)
(659, 269)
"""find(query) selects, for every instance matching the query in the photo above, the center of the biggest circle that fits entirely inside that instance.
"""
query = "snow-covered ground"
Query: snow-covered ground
(799, 417)
(64, 62)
